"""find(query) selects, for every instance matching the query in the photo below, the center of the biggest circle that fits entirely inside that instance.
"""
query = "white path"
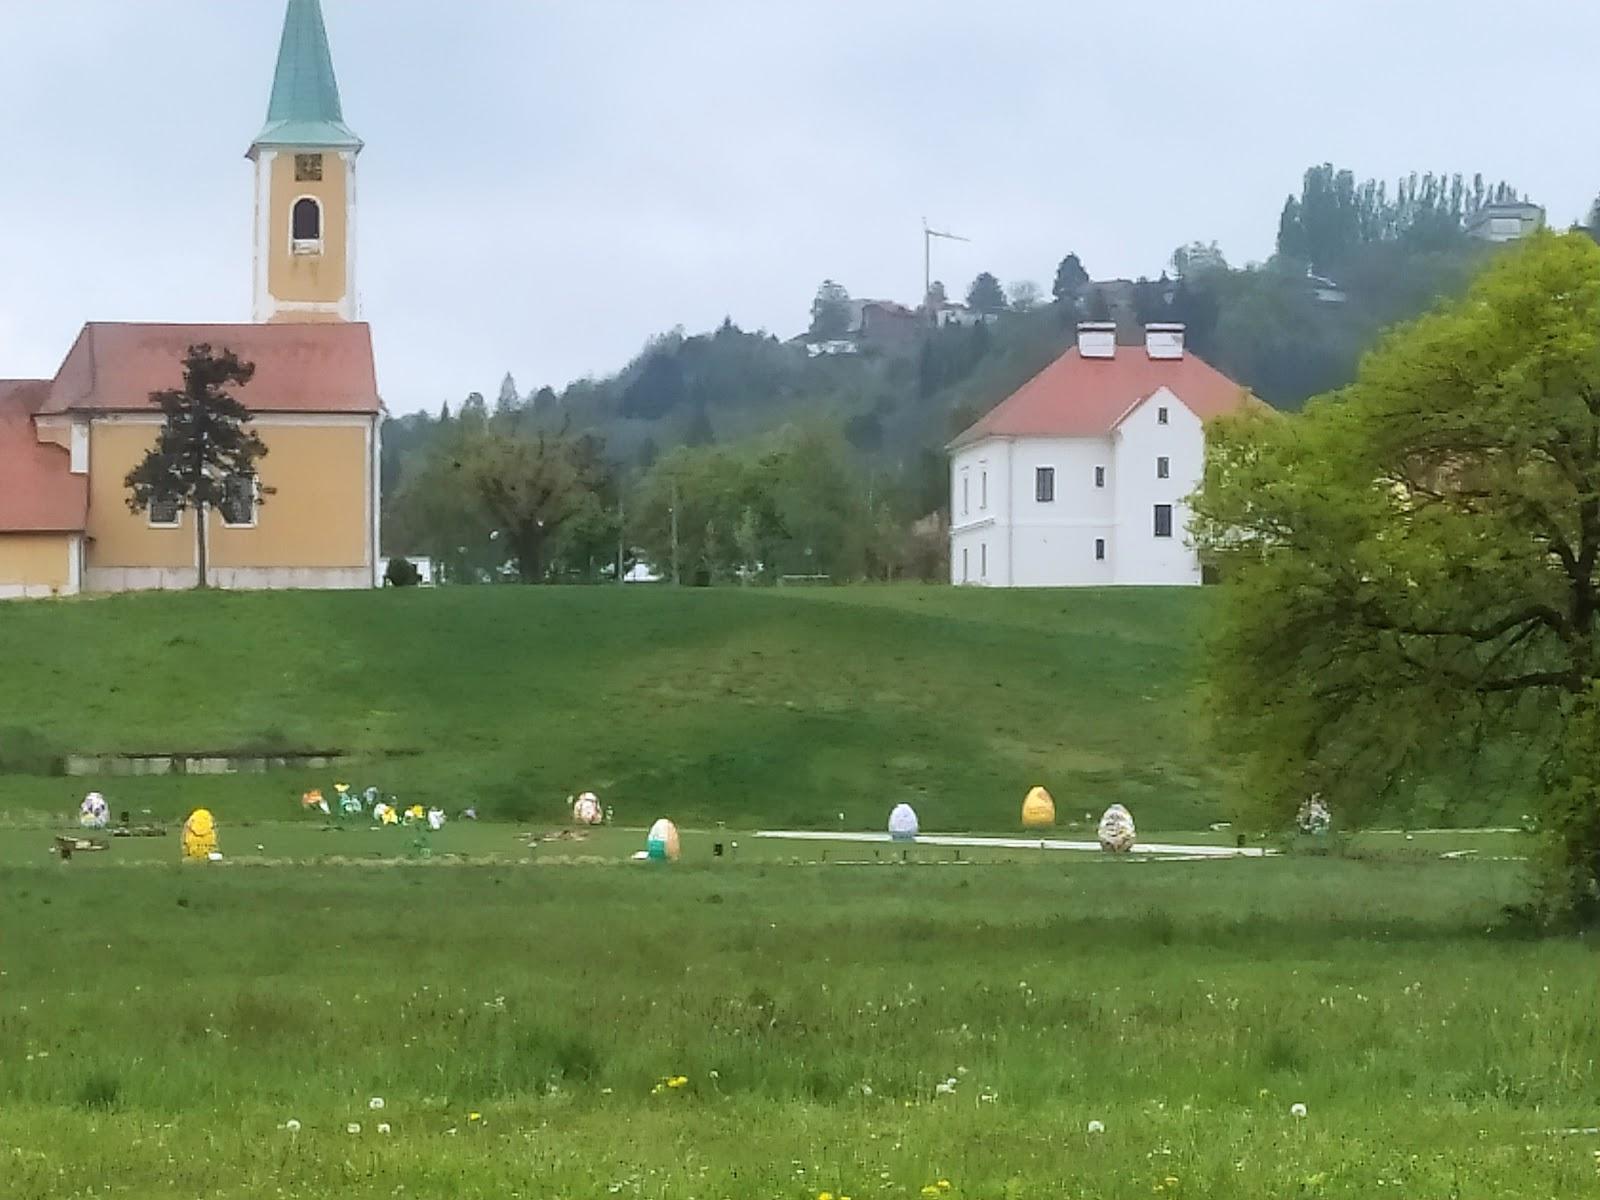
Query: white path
(1018, 843)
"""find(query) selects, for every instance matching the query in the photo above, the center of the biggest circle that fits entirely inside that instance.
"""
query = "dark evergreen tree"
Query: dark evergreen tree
(986, 295)
(205, 451)
(1070, 280)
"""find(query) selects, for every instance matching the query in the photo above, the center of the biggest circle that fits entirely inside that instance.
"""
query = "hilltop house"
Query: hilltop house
(1079, 478)
(67, 443)
(1505, 221)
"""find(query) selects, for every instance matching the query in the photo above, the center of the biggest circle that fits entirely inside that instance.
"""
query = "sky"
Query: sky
(548, 184)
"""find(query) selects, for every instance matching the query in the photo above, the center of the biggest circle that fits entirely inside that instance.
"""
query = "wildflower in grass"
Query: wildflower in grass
(930, 1190)
(292, 1125)
(1097, 1127)
(943, 1185)
(824, 1196)
(375, 1104)
(383, 1127)
(353, 1127)
(1297, 1110)
(678, 1081)
(474, 1116)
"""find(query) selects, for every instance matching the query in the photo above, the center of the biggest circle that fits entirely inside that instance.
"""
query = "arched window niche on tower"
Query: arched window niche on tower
(306, 226)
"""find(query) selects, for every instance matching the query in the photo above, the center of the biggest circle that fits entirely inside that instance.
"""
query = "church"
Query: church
(311, 519)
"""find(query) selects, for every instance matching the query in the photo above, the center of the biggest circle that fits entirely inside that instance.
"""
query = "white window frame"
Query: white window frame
(1163, 467)
(966, 575)
(983, 490)
(150, 517)
(966, 491)
(255, 506)
(307, 247)
(983, 560)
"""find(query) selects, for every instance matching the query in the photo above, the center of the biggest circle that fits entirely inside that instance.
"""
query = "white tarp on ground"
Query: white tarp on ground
(1019, 843)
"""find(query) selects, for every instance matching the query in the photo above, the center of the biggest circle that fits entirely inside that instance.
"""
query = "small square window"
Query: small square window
(308, 168)
(165, 514)
(1163, 520)
(1163, 468)
(1099, 549)
(1044, 484)
(1161, 416)
(239, 502)
(1099, 477)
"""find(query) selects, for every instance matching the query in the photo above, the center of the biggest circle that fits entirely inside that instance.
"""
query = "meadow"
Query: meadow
(783, 707)
(496, 1011)
(731, 1029)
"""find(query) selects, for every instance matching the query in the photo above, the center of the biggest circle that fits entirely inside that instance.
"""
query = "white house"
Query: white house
(1079, 478)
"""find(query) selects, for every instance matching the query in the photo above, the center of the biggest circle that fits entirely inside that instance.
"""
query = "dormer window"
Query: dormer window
(306, 226)
(308, 168)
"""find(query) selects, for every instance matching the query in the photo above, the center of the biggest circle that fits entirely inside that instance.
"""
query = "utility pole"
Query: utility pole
(622, 533)
(677, 578)
(927, 253)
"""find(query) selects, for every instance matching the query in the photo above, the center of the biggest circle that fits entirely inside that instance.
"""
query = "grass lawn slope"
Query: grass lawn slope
(751, 707)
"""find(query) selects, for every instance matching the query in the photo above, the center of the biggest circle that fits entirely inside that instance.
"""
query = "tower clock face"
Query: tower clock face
(308, 168)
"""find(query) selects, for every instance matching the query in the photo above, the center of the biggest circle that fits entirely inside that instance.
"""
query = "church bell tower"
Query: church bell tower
(305, 165)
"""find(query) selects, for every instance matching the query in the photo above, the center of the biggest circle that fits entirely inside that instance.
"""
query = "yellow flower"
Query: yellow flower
(930, 1190)
(678, 1081)
(474, 1116)
(824, 1196)
(943, 1185)
(1170, 1181)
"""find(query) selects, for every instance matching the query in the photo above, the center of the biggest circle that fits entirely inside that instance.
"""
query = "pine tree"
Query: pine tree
(204, 447)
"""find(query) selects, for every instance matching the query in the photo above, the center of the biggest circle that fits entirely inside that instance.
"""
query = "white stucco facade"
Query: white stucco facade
(1099, 525)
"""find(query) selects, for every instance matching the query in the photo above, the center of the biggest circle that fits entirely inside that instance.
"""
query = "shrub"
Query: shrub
(27, 752)
(402, 572)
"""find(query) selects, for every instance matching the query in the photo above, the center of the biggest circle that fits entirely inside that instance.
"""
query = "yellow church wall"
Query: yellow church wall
(308, 278)
(36, 561)
(318, 517)
(120, 538)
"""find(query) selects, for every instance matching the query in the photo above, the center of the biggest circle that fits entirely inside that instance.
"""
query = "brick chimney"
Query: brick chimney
(1097, 339)
(1164, 340)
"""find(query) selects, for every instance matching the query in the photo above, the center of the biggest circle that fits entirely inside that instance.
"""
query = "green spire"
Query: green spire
(305, 107)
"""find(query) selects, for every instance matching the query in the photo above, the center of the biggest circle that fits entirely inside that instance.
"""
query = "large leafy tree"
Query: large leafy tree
(204, 447)
(1413, 565)
(830, 311)
(531, 487)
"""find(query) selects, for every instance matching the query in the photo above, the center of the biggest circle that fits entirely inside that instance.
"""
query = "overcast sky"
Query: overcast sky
(545, 185)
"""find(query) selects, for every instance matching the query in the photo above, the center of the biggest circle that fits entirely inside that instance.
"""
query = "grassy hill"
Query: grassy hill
(742, 706)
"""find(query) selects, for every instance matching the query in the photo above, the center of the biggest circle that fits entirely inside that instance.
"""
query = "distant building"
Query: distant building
(1080, 477)
(1324, 290)
(873, 325)
(1505, 222)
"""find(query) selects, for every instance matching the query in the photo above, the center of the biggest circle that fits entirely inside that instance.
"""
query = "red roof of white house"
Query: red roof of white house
(320, 368)
(1088, 397)
(38, 491)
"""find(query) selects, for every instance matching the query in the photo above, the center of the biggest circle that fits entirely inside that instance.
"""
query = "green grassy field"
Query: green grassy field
(540, 1017)
(780, 707)
(161, 1027)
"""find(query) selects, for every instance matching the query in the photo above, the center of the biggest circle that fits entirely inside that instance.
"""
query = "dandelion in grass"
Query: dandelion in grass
(383, 1127)
(678, 1081)
(375, 1104)
(1097, 1127)
(1297, 1111)
(292, 1125)
(353, 1127)
(474, 1116)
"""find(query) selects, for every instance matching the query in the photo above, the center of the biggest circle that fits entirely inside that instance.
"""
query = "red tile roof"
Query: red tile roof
(324, 368)
(1088, 397)
(38, 492)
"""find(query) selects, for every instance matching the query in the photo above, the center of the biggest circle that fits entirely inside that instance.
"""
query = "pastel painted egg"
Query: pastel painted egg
(903, 823)
(1038, 810)
(662, 842)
